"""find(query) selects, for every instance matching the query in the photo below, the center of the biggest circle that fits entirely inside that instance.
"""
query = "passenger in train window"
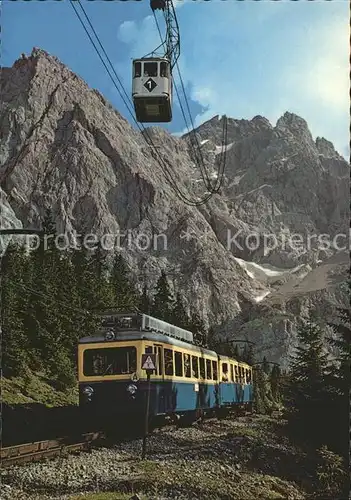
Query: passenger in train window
(225, 376)
(187, 365)
(195, 366)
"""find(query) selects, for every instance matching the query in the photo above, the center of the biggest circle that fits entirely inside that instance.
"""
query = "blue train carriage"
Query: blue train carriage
(185, 385)
(236, 386)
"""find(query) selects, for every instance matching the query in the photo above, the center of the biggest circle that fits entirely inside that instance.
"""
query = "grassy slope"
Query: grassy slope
(35, 388)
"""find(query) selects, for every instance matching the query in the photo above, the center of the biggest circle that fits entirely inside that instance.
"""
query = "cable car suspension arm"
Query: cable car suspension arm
(172, 42)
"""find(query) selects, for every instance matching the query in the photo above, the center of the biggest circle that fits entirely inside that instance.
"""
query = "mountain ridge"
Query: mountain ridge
(64, 147)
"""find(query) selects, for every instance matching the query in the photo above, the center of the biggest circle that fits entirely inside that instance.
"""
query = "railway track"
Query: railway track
(28, 452)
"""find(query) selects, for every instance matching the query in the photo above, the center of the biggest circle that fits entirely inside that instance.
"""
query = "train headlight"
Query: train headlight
(110, 335)
(88, 391)
(131, 389)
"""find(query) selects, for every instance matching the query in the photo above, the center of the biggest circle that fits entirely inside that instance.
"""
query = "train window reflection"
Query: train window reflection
(225, 375)
(109, 361)
(159, 360)
(195, 366)
(208, 369)
(215, 370)
(187, 370)
(178, 358)
(202, 368)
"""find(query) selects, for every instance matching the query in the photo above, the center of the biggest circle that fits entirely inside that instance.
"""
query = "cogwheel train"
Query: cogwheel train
(189, 381)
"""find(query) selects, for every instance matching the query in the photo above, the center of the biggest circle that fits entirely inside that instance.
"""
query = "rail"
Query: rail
(28, 452)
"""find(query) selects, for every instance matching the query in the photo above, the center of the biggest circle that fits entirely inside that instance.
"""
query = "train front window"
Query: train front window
(109, 361)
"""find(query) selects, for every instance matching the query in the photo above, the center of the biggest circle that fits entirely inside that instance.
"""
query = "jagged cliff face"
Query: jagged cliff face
(8, 220)
(64, 147)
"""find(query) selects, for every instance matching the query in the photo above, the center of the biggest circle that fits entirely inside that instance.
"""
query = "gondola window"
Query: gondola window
(150, 69)
(109, 361)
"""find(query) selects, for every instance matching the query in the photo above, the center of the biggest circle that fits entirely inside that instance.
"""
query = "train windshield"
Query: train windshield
(109, 361)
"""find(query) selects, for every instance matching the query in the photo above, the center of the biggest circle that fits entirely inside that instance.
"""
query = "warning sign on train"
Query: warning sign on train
(148, 361)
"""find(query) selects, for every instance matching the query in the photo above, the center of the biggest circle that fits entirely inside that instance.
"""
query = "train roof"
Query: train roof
(147, 335)
(222, 357)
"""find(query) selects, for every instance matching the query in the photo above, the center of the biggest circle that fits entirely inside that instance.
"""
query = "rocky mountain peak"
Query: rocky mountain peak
(295, 126)
(326, 148)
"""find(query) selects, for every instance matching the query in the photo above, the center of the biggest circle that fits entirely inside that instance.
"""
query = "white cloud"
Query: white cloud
(323, 75)
(142, 37)
(128, 31)
(179, 3)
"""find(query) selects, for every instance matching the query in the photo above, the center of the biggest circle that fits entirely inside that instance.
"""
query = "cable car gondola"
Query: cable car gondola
(152, 74)
(152, 89)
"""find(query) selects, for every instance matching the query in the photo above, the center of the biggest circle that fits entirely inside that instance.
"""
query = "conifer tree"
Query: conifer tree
(163, 300)
(102, 290)
(248, 354)
(263, 397)
(265, 366)
(45, 316)
(198, 328)
(179, 315)
(309, 392)
(14, 343)
(125, 295)
(211, 339)
(235, 351)
(341, 380)
(145, 304)
(275, 383)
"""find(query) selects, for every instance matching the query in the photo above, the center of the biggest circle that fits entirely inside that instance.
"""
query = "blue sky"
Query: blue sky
(240, 58)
